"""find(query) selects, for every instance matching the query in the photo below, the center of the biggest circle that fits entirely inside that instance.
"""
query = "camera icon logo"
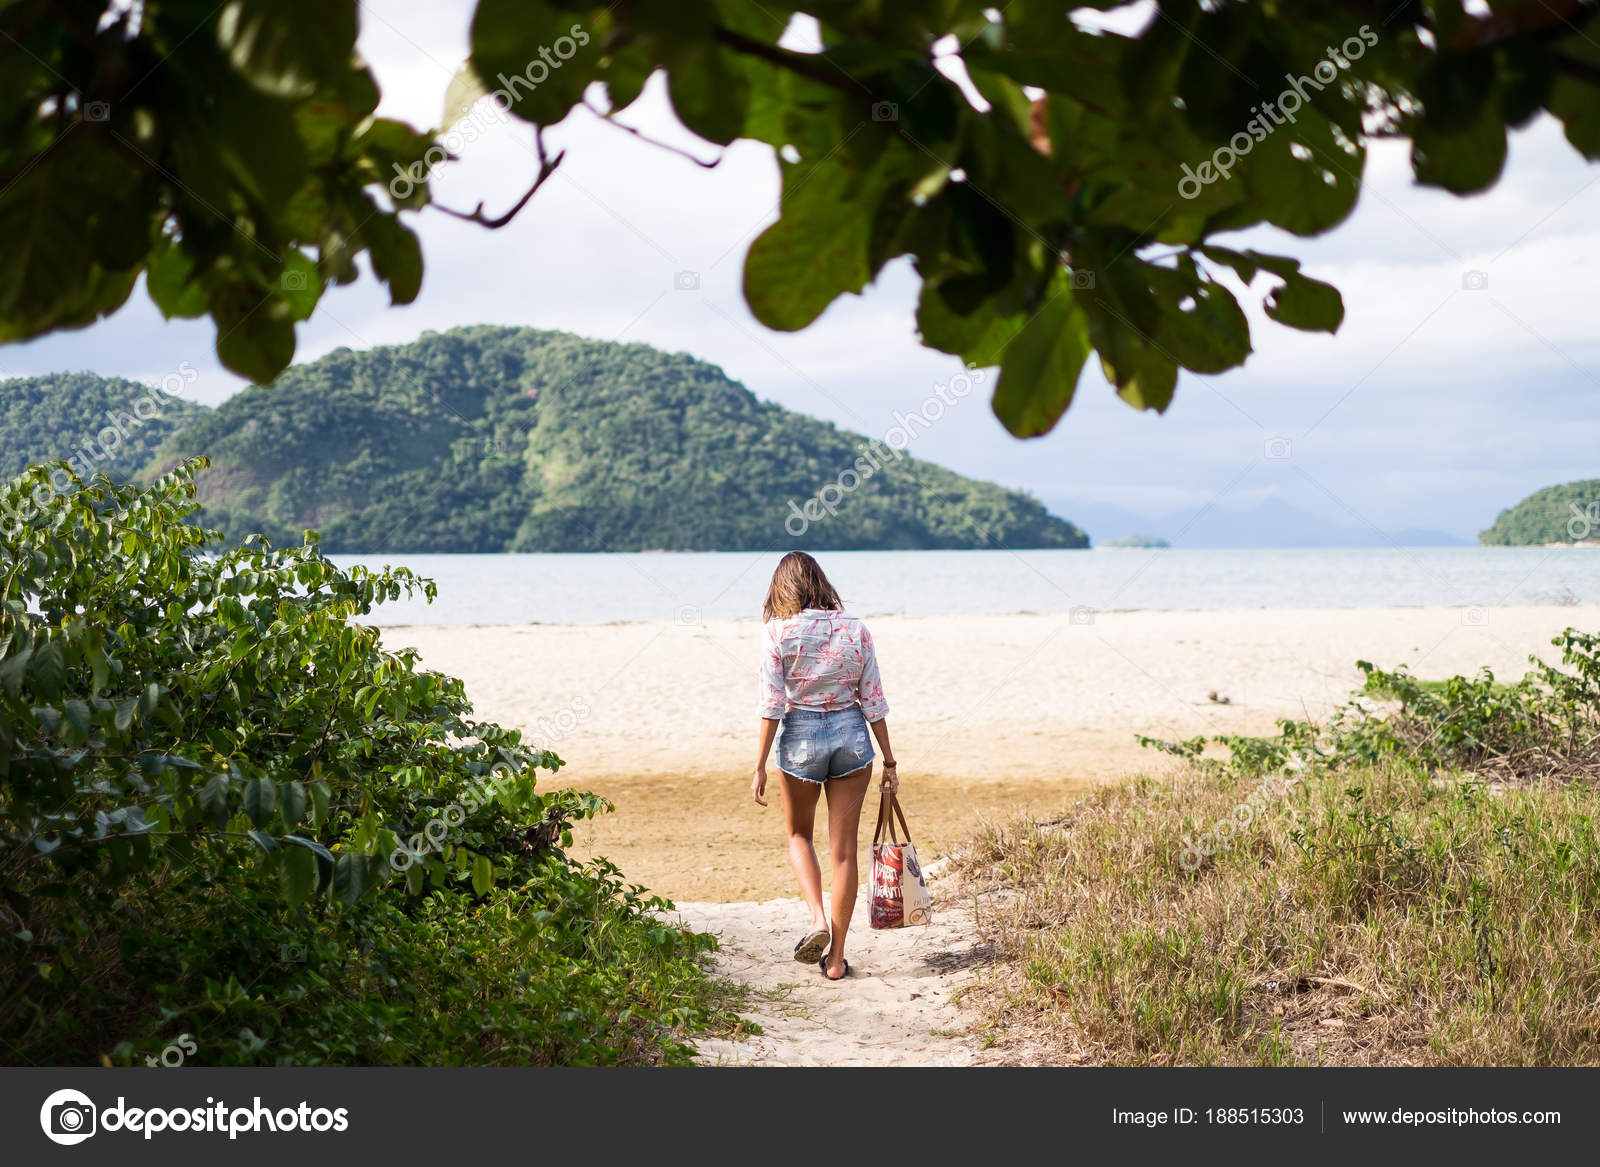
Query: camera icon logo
(291, 953)
(1474, 281)
(687, 614)
(67, 1117)
(686, 281)
(1081, 615)
(1475, 617)
(1583, 521)
(885, 111)
(1082, 280)
(1278, 449)
(97, 111)
(293, 281)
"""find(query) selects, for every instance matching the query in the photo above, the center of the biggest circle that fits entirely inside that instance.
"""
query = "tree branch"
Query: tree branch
(547, 167)
(643, 137)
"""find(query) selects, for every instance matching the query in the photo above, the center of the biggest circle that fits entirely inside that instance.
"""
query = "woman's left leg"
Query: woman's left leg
(799, 814)
(845, 796)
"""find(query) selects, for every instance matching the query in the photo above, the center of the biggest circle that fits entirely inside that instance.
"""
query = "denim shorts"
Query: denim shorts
(814, 745)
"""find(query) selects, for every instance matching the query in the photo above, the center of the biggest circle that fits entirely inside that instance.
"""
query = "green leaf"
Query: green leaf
(1039, 374)
(263, 840)
(292, 803)
(1306, 177)
(463, 92)
(1461, 159)
(286, 47)
(255, 332)
(14, 669)
(311, 845)
(816, 251)
(321, 799)
(710, 95)
(260, 800)
(396, 256)
(48, 671)
(300, 284)
(45, 265)
(1307, 304)
(482, 875)
(1211, 335)
(517, 49)
(213, 801)
(77, 713)
(349, 877)
(258, 141)
(298, 876)
(980, 336)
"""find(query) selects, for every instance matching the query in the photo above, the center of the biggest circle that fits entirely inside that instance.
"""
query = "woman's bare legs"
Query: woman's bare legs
(799, 819)
(845, 796)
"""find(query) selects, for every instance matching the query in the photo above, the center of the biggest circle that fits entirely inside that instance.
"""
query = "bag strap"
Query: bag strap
(888, 811)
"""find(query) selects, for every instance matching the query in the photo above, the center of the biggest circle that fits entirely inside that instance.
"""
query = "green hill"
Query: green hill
(512, 439)
(1556, 514)
(100, 424)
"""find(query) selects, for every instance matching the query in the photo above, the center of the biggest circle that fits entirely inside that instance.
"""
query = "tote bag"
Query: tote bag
(900, 896)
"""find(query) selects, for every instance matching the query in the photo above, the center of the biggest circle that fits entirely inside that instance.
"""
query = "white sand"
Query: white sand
(894, 1009)
(988, 698)
(990, 715)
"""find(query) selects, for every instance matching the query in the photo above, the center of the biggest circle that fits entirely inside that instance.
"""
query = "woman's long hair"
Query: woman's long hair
(798, 583)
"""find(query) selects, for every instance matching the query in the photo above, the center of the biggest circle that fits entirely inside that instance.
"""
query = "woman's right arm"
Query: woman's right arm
(876, 709)
(891, 775)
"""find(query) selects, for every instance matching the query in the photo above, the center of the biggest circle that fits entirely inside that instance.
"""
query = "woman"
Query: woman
(819, 681)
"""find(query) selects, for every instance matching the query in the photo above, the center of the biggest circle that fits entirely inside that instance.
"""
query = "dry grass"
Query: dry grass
(1369, 917)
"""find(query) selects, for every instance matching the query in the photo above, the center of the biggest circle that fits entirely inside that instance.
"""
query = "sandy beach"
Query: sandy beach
(989, 714)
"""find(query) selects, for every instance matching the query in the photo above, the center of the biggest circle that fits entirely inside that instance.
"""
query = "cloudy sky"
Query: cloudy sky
(1436, 405)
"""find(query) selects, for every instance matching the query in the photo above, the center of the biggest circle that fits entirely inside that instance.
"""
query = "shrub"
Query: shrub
(227, 812)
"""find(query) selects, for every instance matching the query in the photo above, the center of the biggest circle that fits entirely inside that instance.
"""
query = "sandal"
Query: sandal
(812, 946)
(822, 964)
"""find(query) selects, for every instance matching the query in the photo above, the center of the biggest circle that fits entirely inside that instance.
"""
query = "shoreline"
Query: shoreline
(989, 714)
(1019, 613)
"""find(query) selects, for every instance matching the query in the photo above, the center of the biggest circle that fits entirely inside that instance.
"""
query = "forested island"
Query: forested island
(490, 439)
(1556, 514)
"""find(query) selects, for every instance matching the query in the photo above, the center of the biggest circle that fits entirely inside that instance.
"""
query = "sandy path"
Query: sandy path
(991, 715)
(895, 1009)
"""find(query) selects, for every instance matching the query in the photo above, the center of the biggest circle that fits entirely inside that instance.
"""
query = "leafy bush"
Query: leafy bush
(211, 780)
(1423, 890)
(1546, 725)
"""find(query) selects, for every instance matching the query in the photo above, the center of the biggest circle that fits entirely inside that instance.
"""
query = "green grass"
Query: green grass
(1370, 916)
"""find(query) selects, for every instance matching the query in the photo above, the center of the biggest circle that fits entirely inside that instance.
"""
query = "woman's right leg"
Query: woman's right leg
(845, 796)
(799, 818)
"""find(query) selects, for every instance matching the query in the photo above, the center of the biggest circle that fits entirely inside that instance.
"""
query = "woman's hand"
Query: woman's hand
(891, 778)
(758, 785)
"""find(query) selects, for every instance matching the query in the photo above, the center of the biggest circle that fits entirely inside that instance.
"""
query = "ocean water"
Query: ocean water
(692, 587)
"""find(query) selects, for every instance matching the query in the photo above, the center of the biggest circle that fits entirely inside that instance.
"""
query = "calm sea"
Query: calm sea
(692, 587)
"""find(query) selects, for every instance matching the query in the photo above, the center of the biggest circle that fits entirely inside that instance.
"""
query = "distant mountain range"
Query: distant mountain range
(513, 439)
(1271, 523)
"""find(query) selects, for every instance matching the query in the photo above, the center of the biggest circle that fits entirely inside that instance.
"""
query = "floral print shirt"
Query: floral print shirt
(819, 659)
